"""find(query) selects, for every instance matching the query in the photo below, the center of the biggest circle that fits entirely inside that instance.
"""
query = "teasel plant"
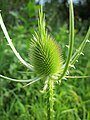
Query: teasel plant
(46, 61)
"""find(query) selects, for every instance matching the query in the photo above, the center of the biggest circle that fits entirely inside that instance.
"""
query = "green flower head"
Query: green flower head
(45, 53)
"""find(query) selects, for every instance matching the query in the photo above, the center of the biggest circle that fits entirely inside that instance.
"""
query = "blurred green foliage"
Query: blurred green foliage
(72, 96)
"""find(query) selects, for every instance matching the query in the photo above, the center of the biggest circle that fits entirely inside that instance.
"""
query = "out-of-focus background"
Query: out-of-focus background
(73, 95)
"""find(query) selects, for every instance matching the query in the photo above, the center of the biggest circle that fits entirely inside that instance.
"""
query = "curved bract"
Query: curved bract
(12, 46)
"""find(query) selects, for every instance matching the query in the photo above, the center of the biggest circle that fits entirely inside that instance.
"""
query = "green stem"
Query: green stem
(50, 100)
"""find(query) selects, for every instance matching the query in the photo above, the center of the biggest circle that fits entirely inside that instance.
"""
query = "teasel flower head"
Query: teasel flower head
(45, 53)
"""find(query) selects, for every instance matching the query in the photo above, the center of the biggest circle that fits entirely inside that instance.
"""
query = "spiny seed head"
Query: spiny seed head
(45, 54)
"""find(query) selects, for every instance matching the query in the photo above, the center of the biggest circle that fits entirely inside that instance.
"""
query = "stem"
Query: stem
(50, 100)
(12, 46)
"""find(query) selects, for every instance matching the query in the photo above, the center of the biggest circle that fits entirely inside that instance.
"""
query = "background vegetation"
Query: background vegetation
(72, 95)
